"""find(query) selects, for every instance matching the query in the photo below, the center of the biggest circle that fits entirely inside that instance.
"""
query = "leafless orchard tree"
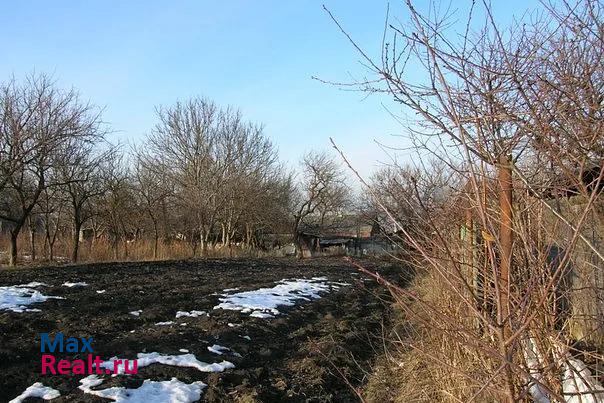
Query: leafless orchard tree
(220, 167)
(321, 195)
(412, 195)
(118, 213)
(52, 211)
(79, 169)
(517, 114)
(269, 206)
(155, 192)
(182, 145)
(36, 119)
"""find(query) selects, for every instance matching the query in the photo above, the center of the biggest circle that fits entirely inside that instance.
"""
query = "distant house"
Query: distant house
(349, 235)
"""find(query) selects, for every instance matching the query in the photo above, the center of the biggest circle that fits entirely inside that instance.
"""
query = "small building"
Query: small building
(351, 235)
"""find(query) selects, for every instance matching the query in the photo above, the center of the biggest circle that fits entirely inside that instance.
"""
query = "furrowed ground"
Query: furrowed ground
(316, 350)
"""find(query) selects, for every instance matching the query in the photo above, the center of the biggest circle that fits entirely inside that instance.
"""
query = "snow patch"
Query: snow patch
(33, 284)
(182, 360)
(37, 390)
(534, 363)
(90, 382)
(220, 350)
(192, 314)
(263, 302)
(168, 323)
(579, 385)
(17, 298)
(261, 315)
(101, 291)
(71, 285)
(173, 391)
(136, 313)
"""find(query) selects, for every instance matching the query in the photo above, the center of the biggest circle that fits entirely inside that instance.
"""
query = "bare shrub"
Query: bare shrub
(510, 271)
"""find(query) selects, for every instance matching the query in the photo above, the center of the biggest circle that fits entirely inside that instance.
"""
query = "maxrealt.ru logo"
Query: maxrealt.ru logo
(90, 365)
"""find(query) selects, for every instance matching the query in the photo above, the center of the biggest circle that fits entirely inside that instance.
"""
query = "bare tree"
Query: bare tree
(79, 170)
(154, 190)
(182, 146)
(219, 165)
(518, 116)
(117, 205)
(36, 119)
(321, 195)
(51, 205)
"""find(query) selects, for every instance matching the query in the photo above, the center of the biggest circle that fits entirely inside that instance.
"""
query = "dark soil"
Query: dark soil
(316, 351)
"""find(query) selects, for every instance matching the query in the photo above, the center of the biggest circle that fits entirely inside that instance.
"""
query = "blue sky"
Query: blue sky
(130, 56)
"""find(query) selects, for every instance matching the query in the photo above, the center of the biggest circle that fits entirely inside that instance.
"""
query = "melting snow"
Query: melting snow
(90, 382)
(168, 323)
(136, 313)
(37, 390)
(261, 315)
(183, 350)
(71, 285)
(172, 391)
(192, 314)
(183, 360)
(220, 350)
(16, 298)
(33, 284)
(216, 349)
(263, 302)
(101, 291)
(578, 384)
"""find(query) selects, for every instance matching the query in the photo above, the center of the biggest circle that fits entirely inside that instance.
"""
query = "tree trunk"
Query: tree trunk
(46, 243)
(125, 247)
(297, 239)
(51, 251)
(505, 233)
(12, 256)
(206, 240)
(31, 228)
(248, 236)
(202, 240)
(76, 241)
(506, 239)
(32, 242)
(115, 248)
(155, 244)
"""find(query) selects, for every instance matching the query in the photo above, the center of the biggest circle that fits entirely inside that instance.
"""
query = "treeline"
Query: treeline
(203, 176)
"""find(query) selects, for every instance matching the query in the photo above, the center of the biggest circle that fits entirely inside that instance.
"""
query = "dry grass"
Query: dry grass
(425, 365)
(101, 250)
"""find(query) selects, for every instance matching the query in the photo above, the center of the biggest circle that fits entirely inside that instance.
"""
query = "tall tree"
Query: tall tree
(321, 194)
(36, 119)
